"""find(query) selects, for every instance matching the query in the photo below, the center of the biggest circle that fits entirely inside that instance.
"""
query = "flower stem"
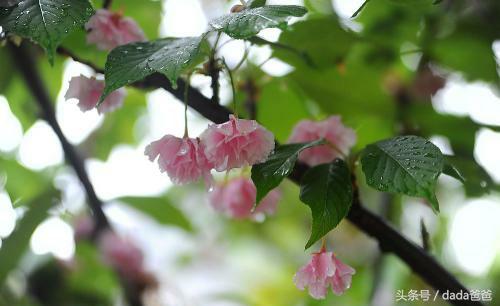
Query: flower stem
(186, 94)
(334, 147)
(229, 72)
(323, 245)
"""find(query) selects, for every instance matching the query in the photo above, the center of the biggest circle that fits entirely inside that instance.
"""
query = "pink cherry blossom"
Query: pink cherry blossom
(109, 30)
(121, 254)
(339, 138)
(236, 199)
(324, 271)
(182, 158)
(89, 90)
(237, 143)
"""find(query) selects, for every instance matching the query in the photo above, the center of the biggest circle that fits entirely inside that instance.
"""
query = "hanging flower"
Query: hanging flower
(339, 138)
(237, 197)
(88, 91)
(109, 30)
(182, 158)
(324, 271)
(237, 143)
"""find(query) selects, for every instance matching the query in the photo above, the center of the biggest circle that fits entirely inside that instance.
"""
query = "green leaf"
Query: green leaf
(256, 3)
(170, 56)
(327, 190)
(250, 22)
(15, 245)
(46, 22)
(279, 165)
(160, 209)
(476, 180)
(406, 164)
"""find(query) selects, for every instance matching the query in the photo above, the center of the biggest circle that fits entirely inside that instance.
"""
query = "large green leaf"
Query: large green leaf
(170, 56)
(279, 165)
(406, 164)
(327, 190)
(250, 22)
(15, 245)
(160, 209)
(46, 22)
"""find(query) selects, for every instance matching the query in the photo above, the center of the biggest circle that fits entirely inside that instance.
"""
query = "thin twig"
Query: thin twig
(27, 67)
(66, 52)
(233, 87)
(356, 13)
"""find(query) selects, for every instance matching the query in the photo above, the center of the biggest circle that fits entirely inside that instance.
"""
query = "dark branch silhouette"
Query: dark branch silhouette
(27, 67)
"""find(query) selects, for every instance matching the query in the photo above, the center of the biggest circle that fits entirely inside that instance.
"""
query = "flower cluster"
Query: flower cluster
(236, 143)
(339, 138)
(324, 270)
(233, 144)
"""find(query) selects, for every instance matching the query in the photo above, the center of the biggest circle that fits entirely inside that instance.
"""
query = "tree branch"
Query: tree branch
(27, 67)
(389, 239)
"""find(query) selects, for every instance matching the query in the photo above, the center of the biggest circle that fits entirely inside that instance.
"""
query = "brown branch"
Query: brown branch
(389, 239)
(27, 67)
